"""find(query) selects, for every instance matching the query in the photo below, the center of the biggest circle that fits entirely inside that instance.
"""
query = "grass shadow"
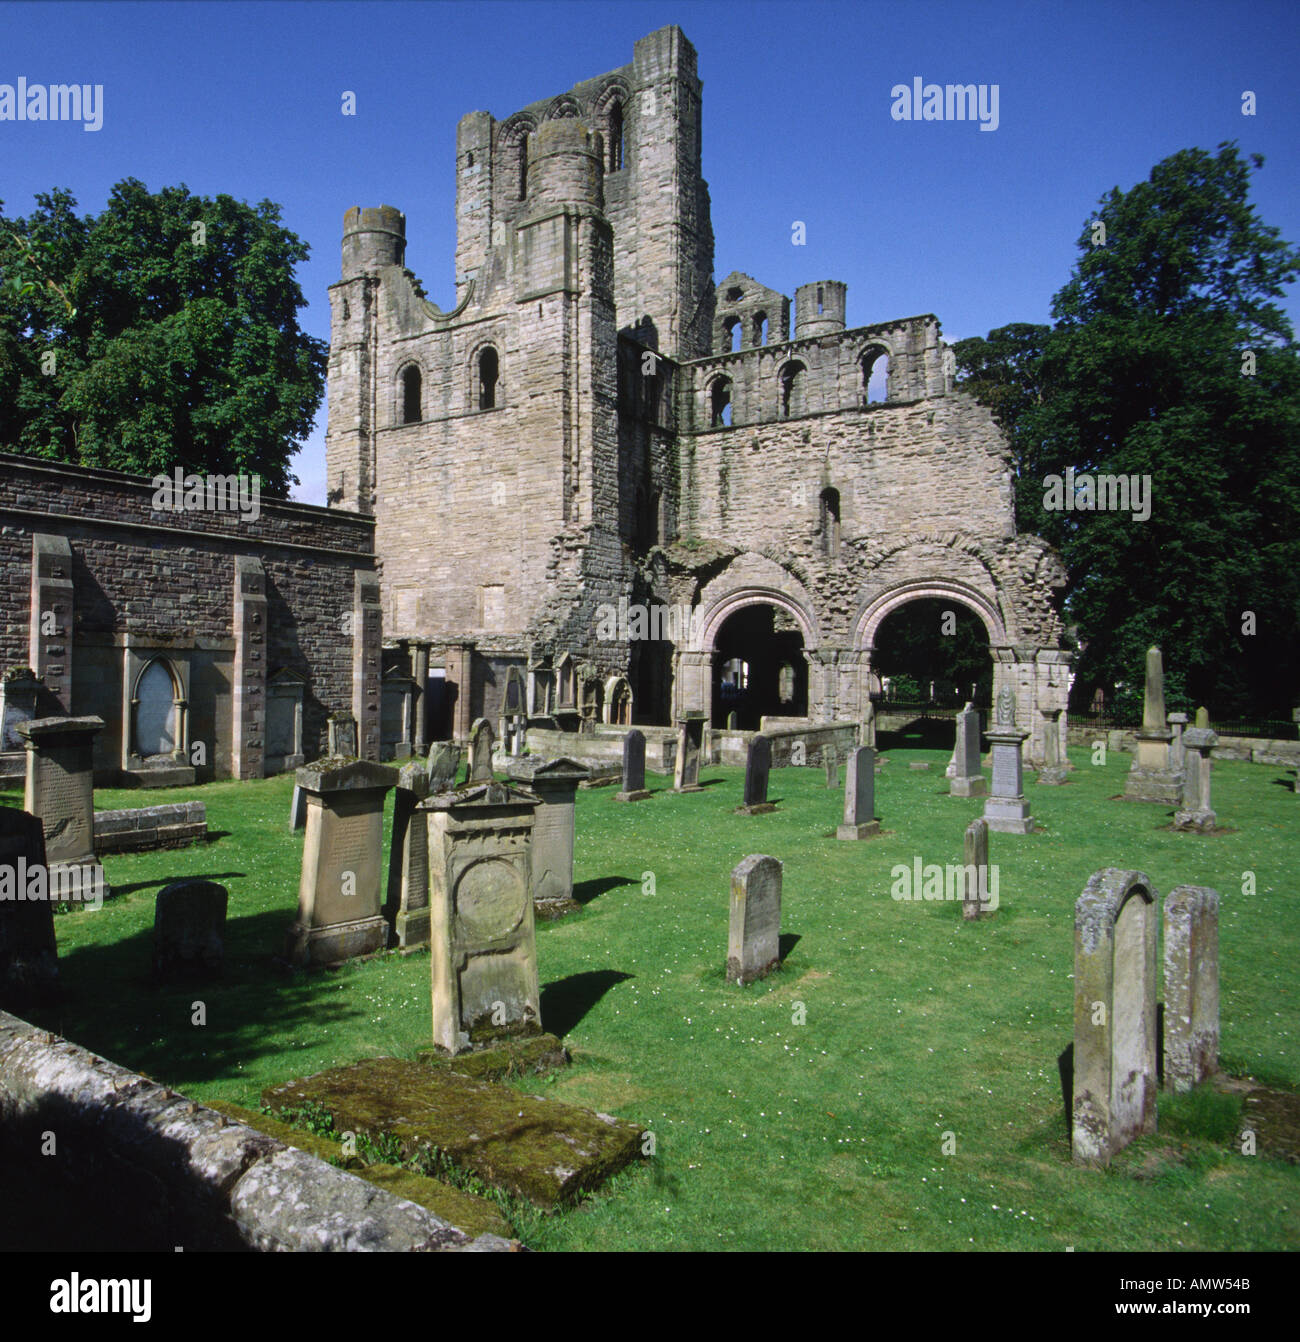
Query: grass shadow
(585, 891)
(566, 1001)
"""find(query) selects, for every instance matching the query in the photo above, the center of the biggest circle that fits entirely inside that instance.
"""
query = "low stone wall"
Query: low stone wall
(106, 1159)
(1252, 749)
(605, 746)
(144, 827)
(726, 746)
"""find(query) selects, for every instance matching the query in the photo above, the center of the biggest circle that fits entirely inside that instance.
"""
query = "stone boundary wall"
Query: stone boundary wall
(724, 746)
(1251, 749)
(605, 746)
(174, 826)
(138, 1166)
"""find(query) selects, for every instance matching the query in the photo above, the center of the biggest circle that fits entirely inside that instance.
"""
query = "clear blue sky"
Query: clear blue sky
(940, 217)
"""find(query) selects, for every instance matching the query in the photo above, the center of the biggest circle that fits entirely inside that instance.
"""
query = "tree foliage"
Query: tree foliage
(172, 320)
(1169, 357)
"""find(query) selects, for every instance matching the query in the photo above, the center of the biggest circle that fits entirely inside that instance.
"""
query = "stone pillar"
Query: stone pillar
(420, 674)
(459, 662)
(1191, 986)
(248, 693)
(482, 937)
(60, 790)
(1006, 809)
(1151, 779)
(367, 642)
(754, 940)
(1197, 814)
(50, 628)
(555, 784)
(1055, 770)
(340, 891)
(1114, 1097)
(407, 909)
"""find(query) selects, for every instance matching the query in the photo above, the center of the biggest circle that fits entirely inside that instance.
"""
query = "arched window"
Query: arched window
(820, 303)
(523, 167)
(616, 137)
(155, 714)
(830, 522)
(792, 388)
(720, 403)
(488, 372)
(412, 394)
(732, 326)
(875, 375)
(760, 328)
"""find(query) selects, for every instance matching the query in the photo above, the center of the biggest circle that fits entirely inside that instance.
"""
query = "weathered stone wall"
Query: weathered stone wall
(144, 827)
(134, 1165)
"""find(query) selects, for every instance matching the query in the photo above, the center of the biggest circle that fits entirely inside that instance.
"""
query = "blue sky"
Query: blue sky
(977, 227)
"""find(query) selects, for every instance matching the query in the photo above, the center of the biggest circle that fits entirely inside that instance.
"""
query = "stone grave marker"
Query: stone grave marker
(867, 736)
(967, 777)
(1151, 779)
(1177, 722)
(754, 943)
(189, 927)
(482, 742)
(60, 790)
(975, 878)
(340, 891)
(555, 784)
(297, 809)
(19, 690)
(1196, 813)
(1006, 809)
(860, 796)
(442, 765)
(1191, 926)
(29, 965)
(758, 770)
(482, 937)
(342, 736)
(407, 909)
(831, 759)
(634, 788)
(1203, 718)
(690, 745)
(1055, 770)
(1114, 1097)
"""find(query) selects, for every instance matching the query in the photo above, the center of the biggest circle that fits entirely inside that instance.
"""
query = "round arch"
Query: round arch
(725, 606)
(874, 612)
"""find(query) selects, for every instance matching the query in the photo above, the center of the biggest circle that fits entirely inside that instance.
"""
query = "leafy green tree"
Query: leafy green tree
(1169, 358)
(161, 333)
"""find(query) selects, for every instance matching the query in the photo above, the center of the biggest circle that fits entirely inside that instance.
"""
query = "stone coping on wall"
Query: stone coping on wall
(143, 827)
(192, 1177)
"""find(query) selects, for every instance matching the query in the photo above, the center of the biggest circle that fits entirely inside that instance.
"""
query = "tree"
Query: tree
(161, 333)
(1169, 359)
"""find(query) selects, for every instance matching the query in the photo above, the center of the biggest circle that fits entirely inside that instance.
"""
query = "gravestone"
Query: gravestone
(1006, 809)
(1191, 986)
(189, 926)
(60, 790)
(690, 745)
(832, 761)
(1196, 813)
(442, 765)
(860, 796)
(733, 721)
(634, 788)
(975, 878)
(758, 769)
(868, 732)
(967, 777)
(1054, 770)
(1114, 1097)
(1203, 718)
(754, 942)
(19, 690)
(1177, 751)
(340, 889)
(482, 741)
(342, 736)
(29, 964)
(482, 936)
(555, 784)
(407, 909)
(297, 809)
(1151, 779)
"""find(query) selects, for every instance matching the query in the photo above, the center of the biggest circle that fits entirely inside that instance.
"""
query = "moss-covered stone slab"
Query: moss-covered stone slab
(511, 1057)
(541, 1150)
(474, 1215)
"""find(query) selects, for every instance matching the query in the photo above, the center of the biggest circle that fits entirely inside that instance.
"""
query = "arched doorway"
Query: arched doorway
(759, 667)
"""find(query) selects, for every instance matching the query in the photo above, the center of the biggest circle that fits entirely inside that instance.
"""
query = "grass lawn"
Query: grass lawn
(770, 1133)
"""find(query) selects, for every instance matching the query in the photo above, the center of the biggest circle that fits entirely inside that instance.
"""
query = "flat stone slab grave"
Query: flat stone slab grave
(542, 1150)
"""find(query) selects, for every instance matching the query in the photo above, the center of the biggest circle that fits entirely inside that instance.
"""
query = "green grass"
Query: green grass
(772, 1134)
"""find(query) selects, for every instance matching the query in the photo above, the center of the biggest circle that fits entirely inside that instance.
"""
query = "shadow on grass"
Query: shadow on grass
(585, 891)
(131, 887)
(789, 940)
(566, 1001)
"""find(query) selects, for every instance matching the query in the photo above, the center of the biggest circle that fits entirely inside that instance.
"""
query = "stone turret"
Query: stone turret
(373, 238)
(564, 167)
(819, 308)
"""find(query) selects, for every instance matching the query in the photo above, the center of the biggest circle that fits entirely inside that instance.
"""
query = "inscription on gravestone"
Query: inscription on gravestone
(860, 796)
(754, 941)
(634, 788)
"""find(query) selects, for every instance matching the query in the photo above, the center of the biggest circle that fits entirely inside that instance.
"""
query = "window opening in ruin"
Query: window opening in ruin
(760, 328)
(412, 410)
(733, 330)
(830, 522)
(616, 138)
(488, 370)
(819, 300)
(721, 403)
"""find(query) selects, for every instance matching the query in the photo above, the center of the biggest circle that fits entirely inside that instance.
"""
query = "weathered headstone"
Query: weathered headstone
(340, 890)
(61, 791)
(189, 927)
(690, 745)
(442, 765)
(407, 909)
(831, 758)
(555, 784)
(1203, 718)
(341, 730)
(482, 938)
(634, 788)
(482, 741)
(1177, 722)
(860, 796)
(297, 809)
(1114, 1097)
(733, 721)
(754, 943)
(29, 966)
(1151, 779)
(967, 777)
(1055, 770)
(867, 735)
(975, 878)
(758, 769)
(1006, 809)
(19, 691)
(1196, 813)
(1191, 986)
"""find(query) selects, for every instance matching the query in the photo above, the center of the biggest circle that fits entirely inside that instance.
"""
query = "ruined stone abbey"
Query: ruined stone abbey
(596, 422)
